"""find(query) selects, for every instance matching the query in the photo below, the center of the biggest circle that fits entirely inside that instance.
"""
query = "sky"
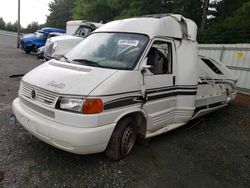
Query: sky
(31, 10)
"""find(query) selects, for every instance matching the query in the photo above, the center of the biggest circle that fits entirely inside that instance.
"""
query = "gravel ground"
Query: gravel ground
(210, 152)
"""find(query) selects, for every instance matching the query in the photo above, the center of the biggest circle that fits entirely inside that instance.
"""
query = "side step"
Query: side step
(164, 129)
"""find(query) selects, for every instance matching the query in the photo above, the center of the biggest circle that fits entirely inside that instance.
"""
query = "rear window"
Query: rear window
(211, 65)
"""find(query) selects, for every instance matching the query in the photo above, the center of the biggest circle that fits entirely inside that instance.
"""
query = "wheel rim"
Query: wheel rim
(128, 140)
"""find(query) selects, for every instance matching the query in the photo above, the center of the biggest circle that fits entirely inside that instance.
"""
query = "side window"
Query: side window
(160, 58)
(212, 66)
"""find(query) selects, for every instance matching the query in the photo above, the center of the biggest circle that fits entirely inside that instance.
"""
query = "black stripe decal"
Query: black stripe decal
(138, 99)
(169, 89)
(160, 89)
(176, 86)
(121, 102)
(217, 82)
(175, 93)
(216, 79)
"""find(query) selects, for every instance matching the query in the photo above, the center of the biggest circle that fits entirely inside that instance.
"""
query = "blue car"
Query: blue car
(31, 42)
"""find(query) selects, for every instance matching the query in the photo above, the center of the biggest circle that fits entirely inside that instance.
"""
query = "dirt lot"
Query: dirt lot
(214, 152)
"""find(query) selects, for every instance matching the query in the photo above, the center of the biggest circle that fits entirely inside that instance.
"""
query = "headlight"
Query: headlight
(54, 46)
(84, 106)
(71, 104)
(53, 52)
(48, 48)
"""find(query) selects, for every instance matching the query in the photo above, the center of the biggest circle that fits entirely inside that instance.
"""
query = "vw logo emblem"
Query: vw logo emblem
(33, 94)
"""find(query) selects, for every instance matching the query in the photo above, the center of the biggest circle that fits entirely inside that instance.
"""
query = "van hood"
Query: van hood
(64, 37)
(67, 79)
(62, 44)
(29, 37)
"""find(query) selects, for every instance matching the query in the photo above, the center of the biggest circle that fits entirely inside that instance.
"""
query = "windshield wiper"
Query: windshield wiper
(87, 62)
(66, 59)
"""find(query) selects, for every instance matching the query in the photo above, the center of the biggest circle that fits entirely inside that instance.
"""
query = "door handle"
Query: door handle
(174, 80)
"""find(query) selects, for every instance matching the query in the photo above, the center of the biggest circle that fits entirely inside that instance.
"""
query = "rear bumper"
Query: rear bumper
(71, 139)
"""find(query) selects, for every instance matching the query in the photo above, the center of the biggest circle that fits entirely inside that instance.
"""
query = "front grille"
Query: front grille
(38, 109)
(38, 94)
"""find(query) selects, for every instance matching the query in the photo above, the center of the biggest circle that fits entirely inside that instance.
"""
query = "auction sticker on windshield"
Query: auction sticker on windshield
(128, 42)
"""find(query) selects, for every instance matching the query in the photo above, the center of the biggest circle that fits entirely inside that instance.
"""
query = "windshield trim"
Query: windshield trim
(139, 55)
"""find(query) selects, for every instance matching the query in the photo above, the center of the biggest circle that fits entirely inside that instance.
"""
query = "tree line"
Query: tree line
(32, 27)
(218, 21)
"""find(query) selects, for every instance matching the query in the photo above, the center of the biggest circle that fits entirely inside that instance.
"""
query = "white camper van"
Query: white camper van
(56, 47)
(138, 76)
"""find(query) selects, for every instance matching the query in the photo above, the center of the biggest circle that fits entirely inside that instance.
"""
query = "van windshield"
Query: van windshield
(82, 31)
(40, 34)
(109, 50)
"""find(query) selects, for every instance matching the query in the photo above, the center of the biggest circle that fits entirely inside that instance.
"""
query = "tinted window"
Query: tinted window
(211, 66)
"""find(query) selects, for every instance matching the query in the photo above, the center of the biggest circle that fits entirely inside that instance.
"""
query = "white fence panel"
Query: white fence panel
(235, 56)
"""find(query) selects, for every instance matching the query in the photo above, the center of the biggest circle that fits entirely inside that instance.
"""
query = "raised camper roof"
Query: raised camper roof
(170, 25)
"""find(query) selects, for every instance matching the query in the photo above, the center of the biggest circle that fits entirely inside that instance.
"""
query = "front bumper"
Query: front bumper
(40, 54)
(22, 44)
(72, 139)
(46, 57)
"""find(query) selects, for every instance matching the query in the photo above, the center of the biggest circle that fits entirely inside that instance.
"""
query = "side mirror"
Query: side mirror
(145, 67)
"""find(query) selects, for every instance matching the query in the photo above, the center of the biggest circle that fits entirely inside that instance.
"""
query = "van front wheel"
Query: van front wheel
(122, 139)
(27, 51)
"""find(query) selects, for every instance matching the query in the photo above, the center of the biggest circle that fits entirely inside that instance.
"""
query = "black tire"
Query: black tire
(34, 48)
(27, 51)
(40, 56)
(122, 139)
